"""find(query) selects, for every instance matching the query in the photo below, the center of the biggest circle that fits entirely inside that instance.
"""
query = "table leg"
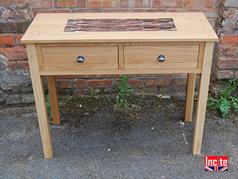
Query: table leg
(202, 97)
(39, 96)
(54, 104)
(190, 97)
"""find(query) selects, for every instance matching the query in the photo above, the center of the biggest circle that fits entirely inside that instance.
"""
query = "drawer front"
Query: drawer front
(56, 58)
(177, 56)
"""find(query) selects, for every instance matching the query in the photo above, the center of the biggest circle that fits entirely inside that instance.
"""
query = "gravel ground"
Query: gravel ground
(152, 143)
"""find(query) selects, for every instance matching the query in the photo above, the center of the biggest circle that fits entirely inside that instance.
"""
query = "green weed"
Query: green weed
(227, 100)
(123, 92)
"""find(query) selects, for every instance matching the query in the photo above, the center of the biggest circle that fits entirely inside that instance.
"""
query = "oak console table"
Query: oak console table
(119, 43)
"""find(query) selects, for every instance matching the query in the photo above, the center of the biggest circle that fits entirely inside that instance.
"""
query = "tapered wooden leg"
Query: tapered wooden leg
(202, 98)
(190, 97)
(39, 101)
(54, 104)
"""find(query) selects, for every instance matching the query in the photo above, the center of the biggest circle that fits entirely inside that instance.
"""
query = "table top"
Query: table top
(119, 27)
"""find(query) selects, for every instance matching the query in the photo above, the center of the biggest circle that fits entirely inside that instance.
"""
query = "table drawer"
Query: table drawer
(168, 56)
(58, 58)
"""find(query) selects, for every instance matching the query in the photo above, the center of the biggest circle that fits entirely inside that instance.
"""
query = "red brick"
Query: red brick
(188, 3)
(67, 76)
(236, 75)
(138, 3)
(22, 65)
(224, 74)
(228, 50)
(66, 84)
(36, 3)
(14, 54)
(123, 3)
(198, 3)
(179, 81)
(94, 4)
(18, 38)
(65, 3)
(164, 3)
(6, 39)
(228, 63)
(100, 83)
(106, 3)
(47, 3)
(229, 13)
(102, 3)
(179, 3)
(11, 2)
(156, 3)
(136, 83)
(81, 3)
(230, 39)
(80, 83)
(209, 3)
(12, 65)
(158, 82)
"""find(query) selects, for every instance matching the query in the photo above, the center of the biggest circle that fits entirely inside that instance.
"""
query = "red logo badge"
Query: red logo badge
(216, 163)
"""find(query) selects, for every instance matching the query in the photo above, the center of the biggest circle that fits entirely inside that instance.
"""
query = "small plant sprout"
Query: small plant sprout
(123, 92)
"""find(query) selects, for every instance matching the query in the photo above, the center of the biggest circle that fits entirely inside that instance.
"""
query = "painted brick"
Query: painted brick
(65, 3)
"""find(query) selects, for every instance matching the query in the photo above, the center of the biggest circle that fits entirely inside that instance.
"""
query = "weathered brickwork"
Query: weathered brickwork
(16, 15)
(226, 58)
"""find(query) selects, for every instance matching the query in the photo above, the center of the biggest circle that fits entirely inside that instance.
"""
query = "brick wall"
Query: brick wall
(16, 15)
(226, 61)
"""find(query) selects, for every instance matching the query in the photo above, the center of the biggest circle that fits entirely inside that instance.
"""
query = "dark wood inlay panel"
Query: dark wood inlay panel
(97, 25)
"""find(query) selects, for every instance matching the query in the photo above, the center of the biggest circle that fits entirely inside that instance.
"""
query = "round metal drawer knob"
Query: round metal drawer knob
(161, 58)
(80, 59)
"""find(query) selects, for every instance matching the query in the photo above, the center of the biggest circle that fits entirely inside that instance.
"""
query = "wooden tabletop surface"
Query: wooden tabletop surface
(49, 28)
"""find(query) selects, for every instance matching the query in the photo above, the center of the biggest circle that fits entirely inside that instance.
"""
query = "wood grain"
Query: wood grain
(64, 58)
(54, 104)
(49, 28)
(202, 98)
(39, 101)
(191, 80)
(146, 57)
